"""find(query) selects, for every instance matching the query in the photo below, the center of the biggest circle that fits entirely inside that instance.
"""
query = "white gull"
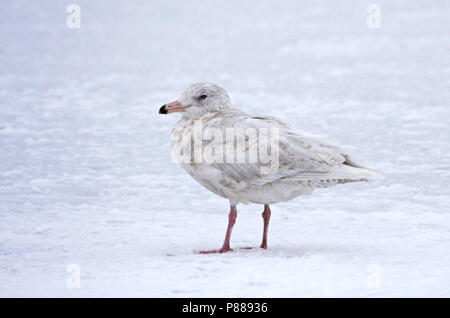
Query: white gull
(304, 162)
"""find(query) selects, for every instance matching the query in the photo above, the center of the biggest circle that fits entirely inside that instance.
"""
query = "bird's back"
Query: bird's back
(299, 162)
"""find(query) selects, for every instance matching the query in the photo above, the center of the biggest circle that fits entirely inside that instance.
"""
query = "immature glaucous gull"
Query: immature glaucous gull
(252, 159)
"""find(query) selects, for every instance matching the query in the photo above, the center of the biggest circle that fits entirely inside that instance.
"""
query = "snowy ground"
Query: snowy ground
(86, 176)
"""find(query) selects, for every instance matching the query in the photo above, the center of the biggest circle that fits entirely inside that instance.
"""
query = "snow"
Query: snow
(87, 179)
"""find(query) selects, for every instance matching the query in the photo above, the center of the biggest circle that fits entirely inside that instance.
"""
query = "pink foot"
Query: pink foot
(226, 244)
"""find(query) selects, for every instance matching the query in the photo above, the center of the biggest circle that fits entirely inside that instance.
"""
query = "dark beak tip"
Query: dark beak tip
(163, 109)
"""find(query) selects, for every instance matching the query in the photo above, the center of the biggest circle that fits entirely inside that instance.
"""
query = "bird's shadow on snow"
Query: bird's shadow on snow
(301, 250)
(305, 250)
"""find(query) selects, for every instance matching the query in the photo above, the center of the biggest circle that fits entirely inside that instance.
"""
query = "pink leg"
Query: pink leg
(266, 216)
(226, 244)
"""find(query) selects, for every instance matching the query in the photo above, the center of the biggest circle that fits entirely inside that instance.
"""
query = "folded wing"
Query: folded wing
(302, 157)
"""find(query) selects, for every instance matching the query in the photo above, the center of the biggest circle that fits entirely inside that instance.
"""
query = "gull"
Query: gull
(298, 162)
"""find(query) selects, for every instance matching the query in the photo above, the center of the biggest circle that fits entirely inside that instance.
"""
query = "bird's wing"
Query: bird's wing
(301, 156)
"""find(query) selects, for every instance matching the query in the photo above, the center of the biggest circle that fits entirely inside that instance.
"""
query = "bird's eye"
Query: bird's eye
(202, 97)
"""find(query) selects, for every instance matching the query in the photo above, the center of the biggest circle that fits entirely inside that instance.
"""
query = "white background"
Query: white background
(86, 176)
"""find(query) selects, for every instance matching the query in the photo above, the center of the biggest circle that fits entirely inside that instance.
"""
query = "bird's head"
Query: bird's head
(197, 100)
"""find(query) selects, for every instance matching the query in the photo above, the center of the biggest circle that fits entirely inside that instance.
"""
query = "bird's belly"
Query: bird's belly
(241, 192)
(214, 180)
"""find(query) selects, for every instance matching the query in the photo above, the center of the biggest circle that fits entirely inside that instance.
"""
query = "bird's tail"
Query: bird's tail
(357, 171)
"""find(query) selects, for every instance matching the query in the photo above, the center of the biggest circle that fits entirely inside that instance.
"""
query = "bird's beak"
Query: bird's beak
(172, 107)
